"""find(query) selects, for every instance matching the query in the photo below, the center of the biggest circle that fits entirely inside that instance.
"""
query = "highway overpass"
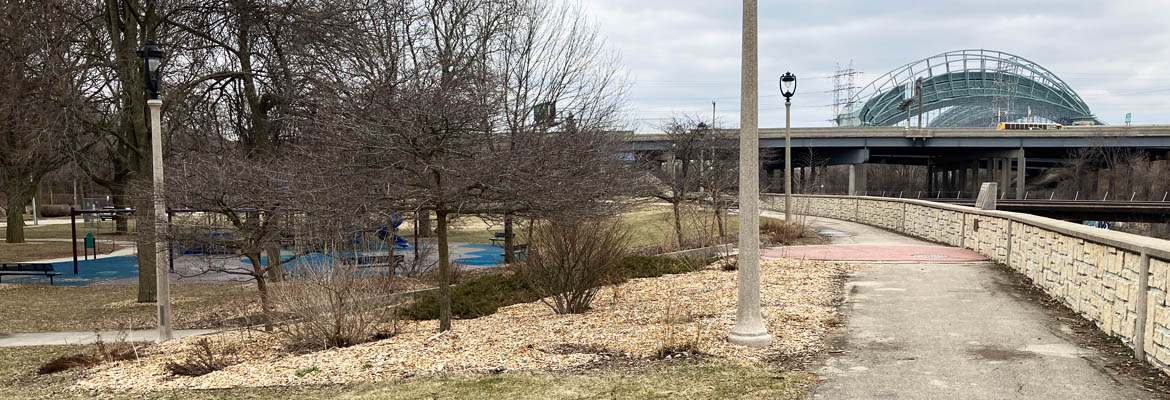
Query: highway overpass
(957, 158)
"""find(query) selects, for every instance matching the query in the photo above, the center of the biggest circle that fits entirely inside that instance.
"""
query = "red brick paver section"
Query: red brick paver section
(862, 252)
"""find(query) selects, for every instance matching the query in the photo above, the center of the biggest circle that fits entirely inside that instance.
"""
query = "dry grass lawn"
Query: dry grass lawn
(44, 308)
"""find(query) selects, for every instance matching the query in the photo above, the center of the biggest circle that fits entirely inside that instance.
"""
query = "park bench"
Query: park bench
(377, 261)
(29, 269)
(520, 251)
(498, 239)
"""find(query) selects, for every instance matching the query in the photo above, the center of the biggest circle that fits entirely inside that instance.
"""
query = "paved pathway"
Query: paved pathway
(41, 222)
(951, 330)
(62, 338)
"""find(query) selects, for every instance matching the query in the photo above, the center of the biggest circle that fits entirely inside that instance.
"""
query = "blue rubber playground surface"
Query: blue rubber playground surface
(88, 272)
(109, 269)
(481, 255)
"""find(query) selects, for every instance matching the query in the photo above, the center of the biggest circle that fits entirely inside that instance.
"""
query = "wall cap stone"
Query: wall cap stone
(1155, 248)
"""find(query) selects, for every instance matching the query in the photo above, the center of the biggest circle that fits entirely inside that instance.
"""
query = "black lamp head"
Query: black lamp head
(152, 58)
(788, 85)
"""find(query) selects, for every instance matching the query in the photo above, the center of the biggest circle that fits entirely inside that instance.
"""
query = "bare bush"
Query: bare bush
(119, 350)
(568, 262)
(204, 360)
(678, 343)
(784, 232)
(332, 305)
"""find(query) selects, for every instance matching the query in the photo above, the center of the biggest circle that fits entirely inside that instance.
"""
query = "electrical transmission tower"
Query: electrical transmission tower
(844, 89)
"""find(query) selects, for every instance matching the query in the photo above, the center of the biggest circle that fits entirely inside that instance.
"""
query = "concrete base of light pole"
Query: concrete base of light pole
(756, 337)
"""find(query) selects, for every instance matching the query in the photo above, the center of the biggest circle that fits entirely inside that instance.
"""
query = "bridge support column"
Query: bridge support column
(962, 171)
(991, 172)
(975, 177)
(857, 179)
(1021, 174)
(1005, 177)
(929, 175)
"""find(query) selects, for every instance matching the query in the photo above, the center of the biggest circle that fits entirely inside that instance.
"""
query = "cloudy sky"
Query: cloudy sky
(682, 54)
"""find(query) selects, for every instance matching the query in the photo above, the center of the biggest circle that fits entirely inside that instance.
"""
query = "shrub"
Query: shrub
(475, 298)
(118, 351)
(305, 371)
(54, 210)
(202, 362)
(484, 295)
(652, 266)
(783, 232)
(329, 306)
(568, 262)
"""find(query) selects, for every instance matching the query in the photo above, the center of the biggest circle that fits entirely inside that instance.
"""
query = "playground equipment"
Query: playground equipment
(89, 238)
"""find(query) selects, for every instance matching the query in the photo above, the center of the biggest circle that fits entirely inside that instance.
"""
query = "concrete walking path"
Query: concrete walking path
(934, 329)
(64, 338)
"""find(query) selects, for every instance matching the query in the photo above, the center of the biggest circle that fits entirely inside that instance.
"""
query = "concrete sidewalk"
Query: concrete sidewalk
(63, 338)
(953, 330)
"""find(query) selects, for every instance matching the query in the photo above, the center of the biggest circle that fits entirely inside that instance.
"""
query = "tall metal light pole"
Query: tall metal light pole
(749, 327)
(788, 88)
(152, 58)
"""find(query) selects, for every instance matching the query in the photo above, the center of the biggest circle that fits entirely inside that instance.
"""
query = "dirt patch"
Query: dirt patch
(1116, 359)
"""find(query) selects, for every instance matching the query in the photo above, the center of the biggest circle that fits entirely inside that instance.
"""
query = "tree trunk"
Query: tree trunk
(15, 230)
(719, 219)
(444, 274)
(509, 241)
(275, 267)
(147, 271)
(677, 222)
(118, 196)
(262, 287)
(424, 223)
(390, 243)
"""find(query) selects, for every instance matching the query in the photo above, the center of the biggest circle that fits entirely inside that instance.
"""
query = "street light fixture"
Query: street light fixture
(152, 58)
(788, 89)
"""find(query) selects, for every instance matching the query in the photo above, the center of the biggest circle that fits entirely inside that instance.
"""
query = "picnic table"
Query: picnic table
(42, 269)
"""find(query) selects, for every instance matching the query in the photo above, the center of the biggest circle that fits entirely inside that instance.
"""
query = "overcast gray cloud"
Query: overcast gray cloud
(683, 54)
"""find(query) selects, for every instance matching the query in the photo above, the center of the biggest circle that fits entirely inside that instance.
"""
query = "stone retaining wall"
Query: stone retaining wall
(1117, 280)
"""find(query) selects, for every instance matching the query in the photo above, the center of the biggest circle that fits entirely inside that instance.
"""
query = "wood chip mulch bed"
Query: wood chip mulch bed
(633, 320)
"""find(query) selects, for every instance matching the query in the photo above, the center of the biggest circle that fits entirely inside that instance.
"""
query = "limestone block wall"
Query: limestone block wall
(1117, 280)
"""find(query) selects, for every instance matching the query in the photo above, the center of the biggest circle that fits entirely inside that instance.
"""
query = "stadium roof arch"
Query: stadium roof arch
(968, 88)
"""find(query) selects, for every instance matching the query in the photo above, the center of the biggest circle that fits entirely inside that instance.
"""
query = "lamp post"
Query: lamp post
(749, 327)
(788, 88)
(152, 58)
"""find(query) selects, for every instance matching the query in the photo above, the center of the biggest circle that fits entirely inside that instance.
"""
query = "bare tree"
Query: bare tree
(114, 150)
(719, 173)
(551, 55)
(41, 76)
(679, 173)
(446, 125)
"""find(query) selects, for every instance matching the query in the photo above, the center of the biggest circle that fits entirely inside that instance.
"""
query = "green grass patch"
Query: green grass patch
(104, 230)
(44, 308)
(32, 250)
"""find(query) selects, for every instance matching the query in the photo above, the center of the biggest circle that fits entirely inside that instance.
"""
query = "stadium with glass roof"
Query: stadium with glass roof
(968, 88)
